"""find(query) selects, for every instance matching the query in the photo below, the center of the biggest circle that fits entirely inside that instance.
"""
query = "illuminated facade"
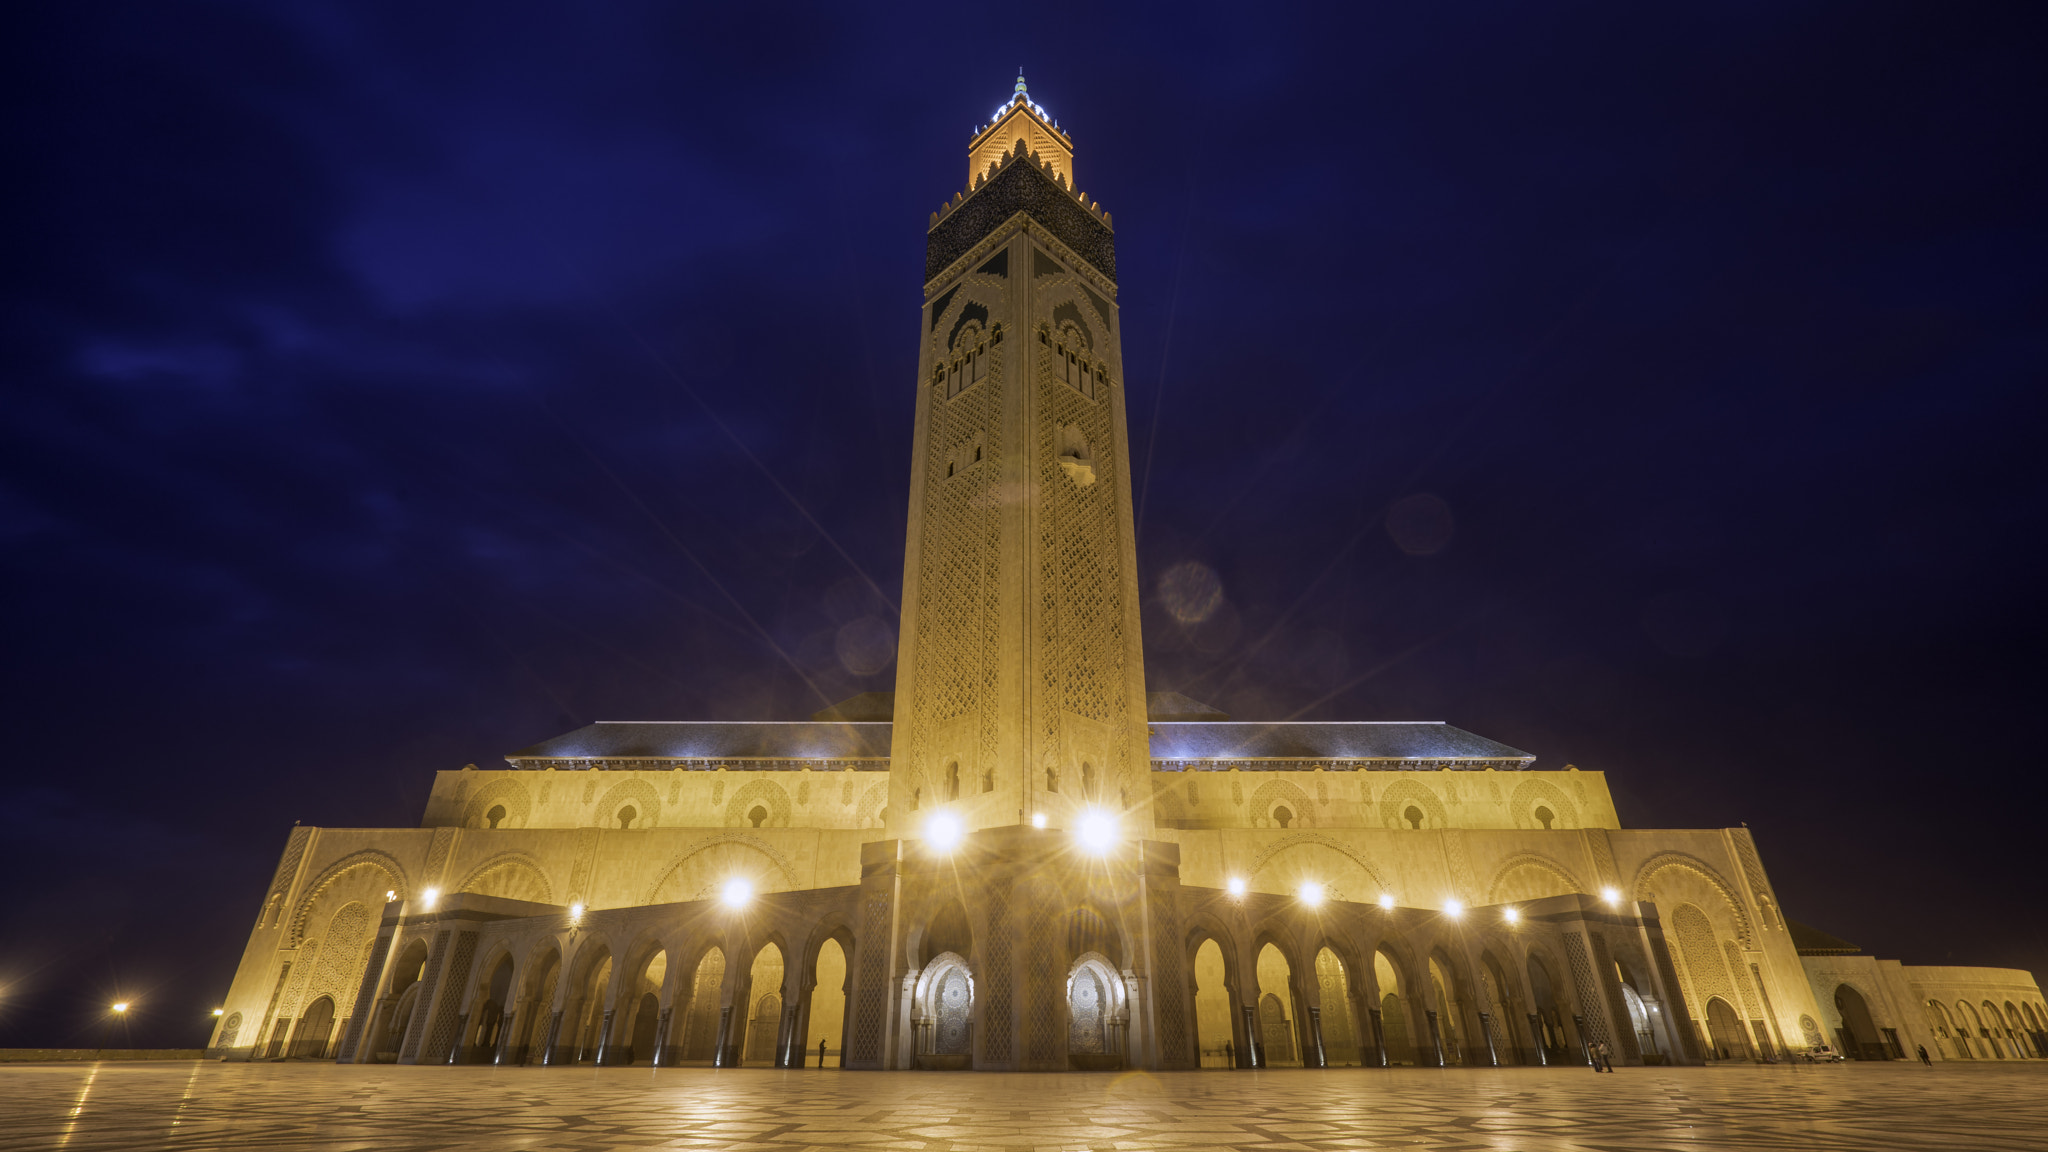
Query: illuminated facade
(1019, 859)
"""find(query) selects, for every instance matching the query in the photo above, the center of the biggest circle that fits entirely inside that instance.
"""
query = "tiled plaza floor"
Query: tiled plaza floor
(324, 1106)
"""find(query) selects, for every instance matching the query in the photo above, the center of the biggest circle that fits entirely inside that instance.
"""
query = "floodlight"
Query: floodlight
(942, 831)
(121, 1007)
(576, 913)
(737, 892)
(428, 897)
(1387, 901)
(1236, 885)
(1097, 831)
(1454, 908)
(1038, 819)
(1312, 894)
(1611, 895)
(1511, 915)
(217, 1011)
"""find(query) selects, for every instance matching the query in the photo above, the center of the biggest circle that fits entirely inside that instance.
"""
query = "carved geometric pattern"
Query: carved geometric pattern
(789, 873)
(1530, 860)
(342, 952)
(302, 971)
(1603, 857)
(1168, 990)
(527, 869)
(869, 814)
(429, 981)
(1404, 793)
(635, 794)
(1591, 1002)
(1617, 1008)
(1750, 1007)
(1020, 186)
(503, 791)
(1273, 792)
(1532, 794)
(1702, 957)
(1080, 563)
(442, 1039)
(1753, 868)
(1044, 1039)
(1266, 854)
(437, 855)
(1694, 864)
(1462, 879)
(764, 794)
(368, 857)
(996, 1038)
(288, 864)
(872, 991)
(958, 623)
(366, 995)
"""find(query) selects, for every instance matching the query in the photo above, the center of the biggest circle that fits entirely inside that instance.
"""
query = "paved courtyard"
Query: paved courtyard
(391, 1109)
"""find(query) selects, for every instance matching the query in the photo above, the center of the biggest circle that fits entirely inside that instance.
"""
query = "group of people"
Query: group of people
(1603, 1056)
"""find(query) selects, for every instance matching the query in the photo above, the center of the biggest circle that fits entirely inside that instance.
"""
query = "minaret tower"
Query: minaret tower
(1020, 686)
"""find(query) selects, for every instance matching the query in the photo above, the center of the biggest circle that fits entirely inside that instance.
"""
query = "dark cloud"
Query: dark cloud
(390, 386)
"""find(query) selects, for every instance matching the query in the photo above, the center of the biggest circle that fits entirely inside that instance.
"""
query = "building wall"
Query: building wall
(1338, 798)
(2012, 991)
(727, 796)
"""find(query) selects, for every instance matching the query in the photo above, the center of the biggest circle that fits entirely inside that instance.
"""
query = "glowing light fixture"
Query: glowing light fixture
(1312, 894)
(737, 892)
(121, 1006)
(576, 913)
(1511, 915)
(218, 1011)
(428, 897)
(942, 831)
(1038, 819)
(1097, 831)
(1236, 885)
(1611, 895)
(1387, 901)
(1454, 908)
(390, 894)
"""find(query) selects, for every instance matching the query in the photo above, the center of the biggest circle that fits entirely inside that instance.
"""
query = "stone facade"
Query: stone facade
(1018, 861)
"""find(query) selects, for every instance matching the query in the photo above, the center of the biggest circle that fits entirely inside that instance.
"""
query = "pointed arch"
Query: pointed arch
(1404, 794)
(784, 868)
(635, 794)
(1266, 855)
(511, 793)
(1534, 860)
(516, 871)
(765, 794)
(1533, 793)
(1744, 930)
(393, 872)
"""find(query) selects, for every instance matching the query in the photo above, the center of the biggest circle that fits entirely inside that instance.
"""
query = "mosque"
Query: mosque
(1022, 860)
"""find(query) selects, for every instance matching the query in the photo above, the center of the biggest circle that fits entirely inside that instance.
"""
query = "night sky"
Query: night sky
(1654, 388)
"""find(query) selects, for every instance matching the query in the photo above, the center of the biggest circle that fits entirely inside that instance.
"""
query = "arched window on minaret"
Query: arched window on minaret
(1052, 779)
(953, 781)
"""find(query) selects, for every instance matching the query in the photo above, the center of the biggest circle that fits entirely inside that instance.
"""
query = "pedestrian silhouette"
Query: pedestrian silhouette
(1922, 1049)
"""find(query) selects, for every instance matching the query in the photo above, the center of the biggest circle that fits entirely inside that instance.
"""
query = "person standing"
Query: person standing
(1922, 1049)
(821, 1051)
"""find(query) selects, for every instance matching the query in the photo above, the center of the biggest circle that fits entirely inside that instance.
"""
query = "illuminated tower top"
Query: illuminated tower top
(1021, 119)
